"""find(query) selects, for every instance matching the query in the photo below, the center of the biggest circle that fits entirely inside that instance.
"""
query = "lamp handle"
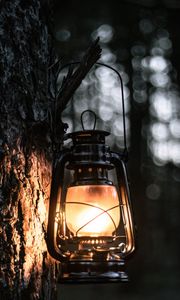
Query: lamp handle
(91, 112)
(57, 183)
(122, 95)
(125, 199)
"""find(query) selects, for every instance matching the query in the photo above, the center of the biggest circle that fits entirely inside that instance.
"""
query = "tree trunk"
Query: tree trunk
(26, 94)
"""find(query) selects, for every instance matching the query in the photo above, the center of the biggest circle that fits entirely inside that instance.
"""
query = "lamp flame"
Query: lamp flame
(92, 210)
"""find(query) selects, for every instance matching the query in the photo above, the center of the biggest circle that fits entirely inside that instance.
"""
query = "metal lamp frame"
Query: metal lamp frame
(89, 149)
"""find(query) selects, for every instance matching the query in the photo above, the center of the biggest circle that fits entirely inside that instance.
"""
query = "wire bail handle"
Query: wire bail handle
(90, 112)
(122, 99)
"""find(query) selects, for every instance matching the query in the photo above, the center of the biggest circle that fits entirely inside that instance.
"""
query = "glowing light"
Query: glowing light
(105, 112)
(161, 106)
(115, 92)
(125, 77)
(106, 76)
(145, 62)
(105, 32)
(117, 128)
(160, 152)
(174, 152)
(107, 56)
(164, 96)
(166, 151)
(159, 131)
(158, 64)
(159, 80)
(175, 128)
(92, 210)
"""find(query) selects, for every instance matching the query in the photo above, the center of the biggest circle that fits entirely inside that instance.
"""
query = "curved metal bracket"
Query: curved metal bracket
(122, 94)
(56, 189)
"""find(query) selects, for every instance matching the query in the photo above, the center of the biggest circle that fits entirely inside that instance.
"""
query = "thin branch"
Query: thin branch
(74, 79)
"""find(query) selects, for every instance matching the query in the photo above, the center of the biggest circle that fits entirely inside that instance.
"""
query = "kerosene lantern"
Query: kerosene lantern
(90, 226)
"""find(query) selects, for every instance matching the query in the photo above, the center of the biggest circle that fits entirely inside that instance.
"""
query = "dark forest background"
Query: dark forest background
(140, 39)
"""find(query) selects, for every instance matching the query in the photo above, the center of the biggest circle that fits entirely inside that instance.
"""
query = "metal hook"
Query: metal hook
(93, 113)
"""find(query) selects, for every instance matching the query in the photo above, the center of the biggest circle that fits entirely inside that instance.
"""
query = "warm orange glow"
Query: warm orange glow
(92, 210)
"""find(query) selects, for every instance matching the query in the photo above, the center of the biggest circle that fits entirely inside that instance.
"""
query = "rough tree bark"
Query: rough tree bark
(28, 132)
(26, 271)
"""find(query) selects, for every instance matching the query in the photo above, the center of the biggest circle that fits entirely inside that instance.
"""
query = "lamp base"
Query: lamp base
(93, 271)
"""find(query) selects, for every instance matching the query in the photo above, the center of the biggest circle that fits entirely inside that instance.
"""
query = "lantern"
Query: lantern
(90, 225)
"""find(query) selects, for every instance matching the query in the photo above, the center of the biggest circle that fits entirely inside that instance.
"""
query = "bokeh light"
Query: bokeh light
(151, 81)
(63, 35)
(153, 191)
(104, 32)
